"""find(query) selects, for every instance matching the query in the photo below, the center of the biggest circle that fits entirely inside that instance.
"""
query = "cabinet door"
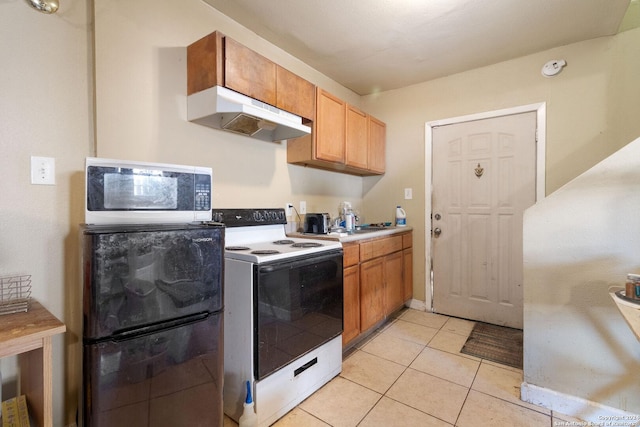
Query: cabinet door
(205, 63)
(407, 256)
(249, 73)
(357, 138)
(377, 145)
(371, 293)
(351, 283)
(330, 127)
(294, 94)
(394, 288)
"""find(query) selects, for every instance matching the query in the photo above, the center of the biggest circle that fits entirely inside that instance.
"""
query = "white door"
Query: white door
(484, 177)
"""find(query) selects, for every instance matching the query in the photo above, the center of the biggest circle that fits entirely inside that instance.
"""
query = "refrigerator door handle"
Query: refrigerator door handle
(153, 328)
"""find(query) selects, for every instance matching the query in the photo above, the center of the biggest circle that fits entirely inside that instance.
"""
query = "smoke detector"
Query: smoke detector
(44, 6)
(553, 67)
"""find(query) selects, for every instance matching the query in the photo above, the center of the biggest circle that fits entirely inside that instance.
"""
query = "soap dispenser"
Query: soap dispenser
(248, 417)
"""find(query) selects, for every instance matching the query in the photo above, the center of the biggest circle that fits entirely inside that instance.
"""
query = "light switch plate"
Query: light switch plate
(303, 207)
(408, 193)
(43, 170)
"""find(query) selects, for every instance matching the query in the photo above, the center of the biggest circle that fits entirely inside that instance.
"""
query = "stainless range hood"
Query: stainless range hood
(222, 108)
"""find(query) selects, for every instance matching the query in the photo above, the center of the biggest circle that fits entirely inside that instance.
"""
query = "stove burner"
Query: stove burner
(306, 245)
(265, 252)
(283, 242)
(236, 248)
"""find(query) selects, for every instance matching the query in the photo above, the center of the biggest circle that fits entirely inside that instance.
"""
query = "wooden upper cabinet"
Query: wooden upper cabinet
(295, 94)
(205, 63)
(343, 139)
(249, 73)
(377, 145)
(329, 127)
(217, 60)
(357, 138)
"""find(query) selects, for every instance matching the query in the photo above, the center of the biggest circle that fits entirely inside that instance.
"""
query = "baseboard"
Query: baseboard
(416, 304)
(577, 407)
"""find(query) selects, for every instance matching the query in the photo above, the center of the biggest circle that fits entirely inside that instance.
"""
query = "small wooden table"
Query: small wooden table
(28, 334)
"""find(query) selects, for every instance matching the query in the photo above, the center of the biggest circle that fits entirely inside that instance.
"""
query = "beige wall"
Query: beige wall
(141, 107)
(578, 242)
(592, 109)
(45, 110)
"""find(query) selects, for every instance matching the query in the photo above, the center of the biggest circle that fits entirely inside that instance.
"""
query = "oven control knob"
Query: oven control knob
(216, 216)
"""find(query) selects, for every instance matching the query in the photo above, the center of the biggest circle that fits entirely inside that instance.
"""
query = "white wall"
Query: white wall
(45, 110)
(579, 241)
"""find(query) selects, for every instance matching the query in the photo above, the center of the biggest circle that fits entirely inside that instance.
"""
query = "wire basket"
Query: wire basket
(15, 294)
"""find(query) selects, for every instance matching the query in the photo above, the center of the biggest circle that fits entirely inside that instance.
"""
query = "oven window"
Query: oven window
(299, 308)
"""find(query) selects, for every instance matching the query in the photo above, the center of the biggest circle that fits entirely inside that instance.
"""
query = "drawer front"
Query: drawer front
(380, 247)
(351, 254)
(407, 240)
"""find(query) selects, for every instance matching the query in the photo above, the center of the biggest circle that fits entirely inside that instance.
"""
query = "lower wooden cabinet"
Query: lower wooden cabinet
(378, 279)
(394, 286)
(371, 293)
(351, 312)
(407, 257)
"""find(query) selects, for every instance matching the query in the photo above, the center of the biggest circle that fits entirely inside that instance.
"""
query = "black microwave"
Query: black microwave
(127, 192)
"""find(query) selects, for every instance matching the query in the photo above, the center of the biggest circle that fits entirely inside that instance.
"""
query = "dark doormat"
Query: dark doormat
(496, 343)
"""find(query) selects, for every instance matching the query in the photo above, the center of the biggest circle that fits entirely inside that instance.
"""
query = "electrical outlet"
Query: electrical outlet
(289, 209)
(303, 207)
(408, 193)
(43, 170)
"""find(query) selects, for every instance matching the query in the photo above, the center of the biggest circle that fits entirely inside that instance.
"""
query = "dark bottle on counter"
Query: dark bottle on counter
(632, 286)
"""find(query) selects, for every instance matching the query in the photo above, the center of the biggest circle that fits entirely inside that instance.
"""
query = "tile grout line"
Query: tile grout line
(406, 367)
(467, 396)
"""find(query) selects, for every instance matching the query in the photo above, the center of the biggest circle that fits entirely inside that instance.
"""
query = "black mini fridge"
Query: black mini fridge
(152, 325)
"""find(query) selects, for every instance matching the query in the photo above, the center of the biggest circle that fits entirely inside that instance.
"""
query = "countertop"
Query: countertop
(344, 237)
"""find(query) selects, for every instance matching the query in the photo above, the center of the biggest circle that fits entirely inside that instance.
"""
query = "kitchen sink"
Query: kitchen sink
(364, 230)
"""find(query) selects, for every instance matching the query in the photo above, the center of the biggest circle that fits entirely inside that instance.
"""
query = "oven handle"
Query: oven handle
(309, 260)
(306, 366)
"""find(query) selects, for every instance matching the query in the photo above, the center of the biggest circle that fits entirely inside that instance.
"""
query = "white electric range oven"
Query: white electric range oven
(283, 313)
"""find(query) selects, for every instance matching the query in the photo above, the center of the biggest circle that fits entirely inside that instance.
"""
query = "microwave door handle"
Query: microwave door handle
(299, 263)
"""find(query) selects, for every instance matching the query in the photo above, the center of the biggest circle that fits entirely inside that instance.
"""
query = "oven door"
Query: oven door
(298, 307)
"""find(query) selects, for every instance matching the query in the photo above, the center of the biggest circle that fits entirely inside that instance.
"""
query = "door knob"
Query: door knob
(437, 231)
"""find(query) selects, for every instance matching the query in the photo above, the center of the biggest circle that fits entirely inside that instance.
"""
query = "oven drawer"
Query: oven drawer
(284, 390)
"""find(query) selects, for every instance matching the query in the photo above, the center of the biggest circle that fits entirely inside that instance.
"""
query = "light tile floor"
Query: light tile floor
(411, 373)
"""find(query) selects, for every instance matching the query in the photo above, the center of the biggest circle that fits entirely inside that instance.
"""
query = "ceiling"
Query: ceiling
(378, 45)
